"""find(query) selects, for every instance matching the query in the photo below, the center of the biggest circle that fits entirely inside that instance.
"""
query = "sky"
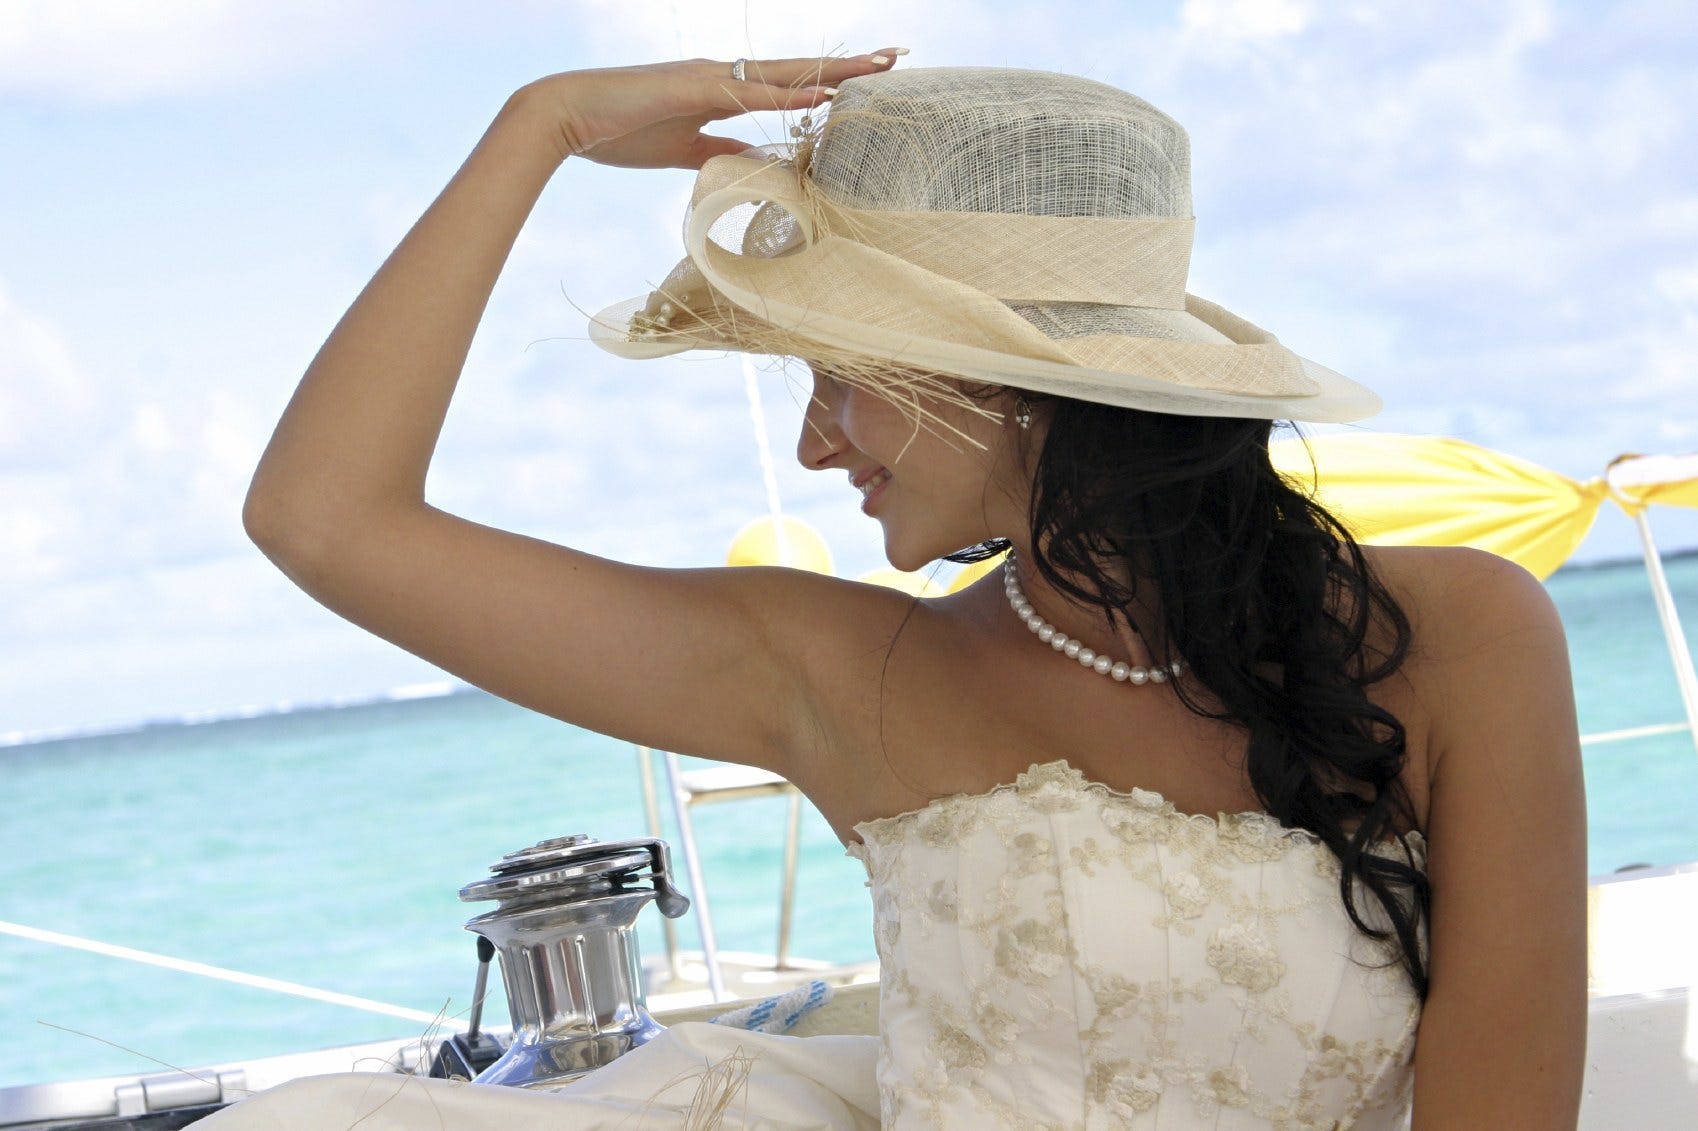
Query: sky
(1486, 212)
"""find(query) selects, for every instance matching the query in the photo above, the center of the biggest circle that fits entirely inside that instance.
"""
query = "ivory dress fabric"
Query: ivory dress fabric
(1058, 954)
(1055, 954)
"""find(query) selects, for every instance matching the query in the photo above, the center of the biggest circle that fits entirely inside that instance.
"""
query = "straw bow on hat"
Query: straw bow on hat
(1015, 227)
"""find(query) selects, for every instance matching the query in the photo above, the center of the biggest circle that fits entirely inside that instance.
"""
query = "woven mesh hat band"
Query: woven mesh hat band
(1017, 258)
(1123, 261)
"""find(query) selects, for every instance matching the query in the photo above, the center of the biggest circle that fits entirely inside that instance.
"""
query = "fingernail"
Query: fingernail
(881, 60)
(826, 89)
(899, 51)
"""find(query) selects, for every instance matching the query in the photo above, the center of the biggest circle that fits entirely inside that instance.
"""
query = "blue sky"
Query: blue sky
(1488, 212)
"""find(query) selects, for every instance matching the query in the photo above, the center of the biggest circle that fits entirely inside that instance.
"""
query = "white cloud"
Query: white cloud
(1680, 286)
(1667, 375)
(731, 28)
(45, 396)
(122, 50)
(27, 552)
(164, 489)
(1245, 19)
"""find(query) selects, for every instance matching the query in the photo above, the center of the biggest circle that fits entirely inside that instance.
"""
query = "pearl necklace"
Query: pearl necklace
(1118, 670)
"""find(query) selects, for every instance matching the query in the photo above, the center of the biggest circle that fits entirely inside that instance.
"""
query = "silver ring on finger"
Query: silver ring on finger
(737, 70)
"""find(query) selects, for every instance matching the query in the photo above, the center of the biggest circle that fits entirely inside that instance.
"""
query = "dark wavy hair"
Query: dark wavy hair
(1271, 604)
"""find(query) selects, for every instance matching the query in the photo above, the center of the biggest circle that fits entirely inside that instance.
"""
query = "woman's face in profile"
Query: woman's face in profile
(934, 486)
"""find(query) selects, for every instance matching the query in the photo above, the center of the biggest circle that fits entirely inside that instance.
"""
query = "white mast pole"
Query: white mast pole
(1670, 616)
(769, 475)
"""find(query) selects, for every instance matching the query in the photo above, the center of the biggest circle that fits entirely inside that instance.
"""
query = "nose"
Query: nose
(822, 439)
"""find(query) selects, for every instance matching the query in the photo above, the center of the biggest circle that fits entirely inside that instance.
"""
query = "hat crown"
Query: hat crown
(990, 139)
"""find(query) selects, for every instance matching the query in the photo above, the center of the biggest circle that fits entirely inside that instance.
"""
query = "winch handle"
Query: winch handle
(668, 898)
(486, 951)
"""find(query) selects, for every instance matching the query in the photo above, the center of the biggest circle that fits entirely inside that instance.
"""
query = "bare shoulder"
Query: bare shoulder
(1448, 586)
(1481, 623)
(1484, 637)
(1506, 835)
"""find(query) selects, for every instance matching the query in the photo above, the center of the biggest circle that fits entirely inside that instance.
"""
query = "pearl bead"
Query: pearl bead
(1118, 670)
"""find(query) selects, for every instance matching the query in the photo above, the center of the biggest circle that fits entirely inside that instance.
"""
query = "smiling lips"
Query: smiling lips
(870, 483)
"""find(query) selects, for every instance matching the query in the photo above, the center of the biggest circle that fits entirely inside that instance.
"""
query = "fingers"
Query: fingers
(816, 71)
(708, 146)
(792, 84)
(733, 98)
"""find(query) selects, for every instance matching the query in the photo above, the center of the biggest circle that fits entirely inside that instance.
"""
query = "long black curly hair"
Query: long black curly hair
(1270, 603)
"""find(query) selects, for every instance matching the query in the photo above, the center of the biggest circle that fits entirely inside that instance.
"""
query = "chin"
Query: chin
(909, 563)
(909, 557)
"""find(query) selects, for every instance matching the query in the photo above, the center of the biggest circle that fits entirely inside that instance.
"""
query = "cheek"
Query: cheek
(872, 424)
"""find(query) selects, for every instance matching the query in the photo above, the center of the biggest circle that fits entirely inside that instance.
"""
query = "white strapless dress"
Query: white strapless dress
(1055, 954)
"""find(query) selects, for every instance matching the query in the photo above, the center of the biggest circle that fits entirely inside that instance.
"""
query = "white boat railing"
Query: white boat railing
(719, 784)
(1600, 737)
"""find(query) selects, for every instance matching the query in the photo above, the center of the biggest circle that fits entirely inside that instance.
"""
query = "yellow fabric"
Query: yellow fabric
(1671, 494)
(1436, 491)
(762, 542)
(913, 584)
(1637, 482)
(972, 573)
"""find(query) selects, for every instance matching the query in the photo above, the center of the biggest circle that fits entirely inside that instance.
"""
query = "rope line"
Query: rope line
(219, 973)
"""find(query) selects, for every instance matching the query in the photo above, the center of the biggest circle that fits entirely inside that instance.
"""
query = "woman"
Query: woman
(985, 270)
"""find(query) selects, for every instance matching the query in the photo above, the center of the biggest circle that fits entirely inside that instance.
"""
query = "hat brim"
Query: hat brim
(1337, 398)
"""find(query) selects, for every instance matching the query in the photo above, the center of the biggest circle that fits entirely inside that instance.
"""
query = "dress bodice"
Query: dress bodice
(1059, 954)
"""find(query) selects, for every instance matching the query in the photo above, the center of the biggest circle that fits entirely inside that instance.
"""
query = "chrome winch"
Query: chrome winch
(565, 927)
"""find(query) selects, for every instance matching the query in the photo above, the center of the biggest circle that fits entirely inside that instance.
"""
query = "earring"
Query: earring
(1023, 413)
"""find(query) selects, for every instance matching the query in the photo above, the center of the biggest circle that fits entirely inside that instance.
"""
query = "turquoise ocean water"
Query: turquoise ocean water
(326, 847)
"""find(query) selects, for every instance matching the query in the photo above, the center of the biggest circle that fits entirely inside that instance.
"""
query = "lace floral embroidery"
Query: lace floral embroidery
(1058, 922)
(1244, 959)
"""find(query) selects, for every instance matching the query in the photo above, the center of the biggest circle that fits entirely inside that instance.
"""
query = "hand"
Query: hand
(651, 116)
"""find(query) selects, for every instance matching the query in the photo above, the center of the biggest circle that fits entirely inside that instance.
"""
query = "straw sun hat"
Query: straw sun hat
(1014, 227)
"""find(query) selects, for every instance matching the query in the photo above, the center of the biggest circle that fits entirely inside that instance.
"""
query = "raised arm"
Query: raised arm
(692, 660)
(1503, 1035)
